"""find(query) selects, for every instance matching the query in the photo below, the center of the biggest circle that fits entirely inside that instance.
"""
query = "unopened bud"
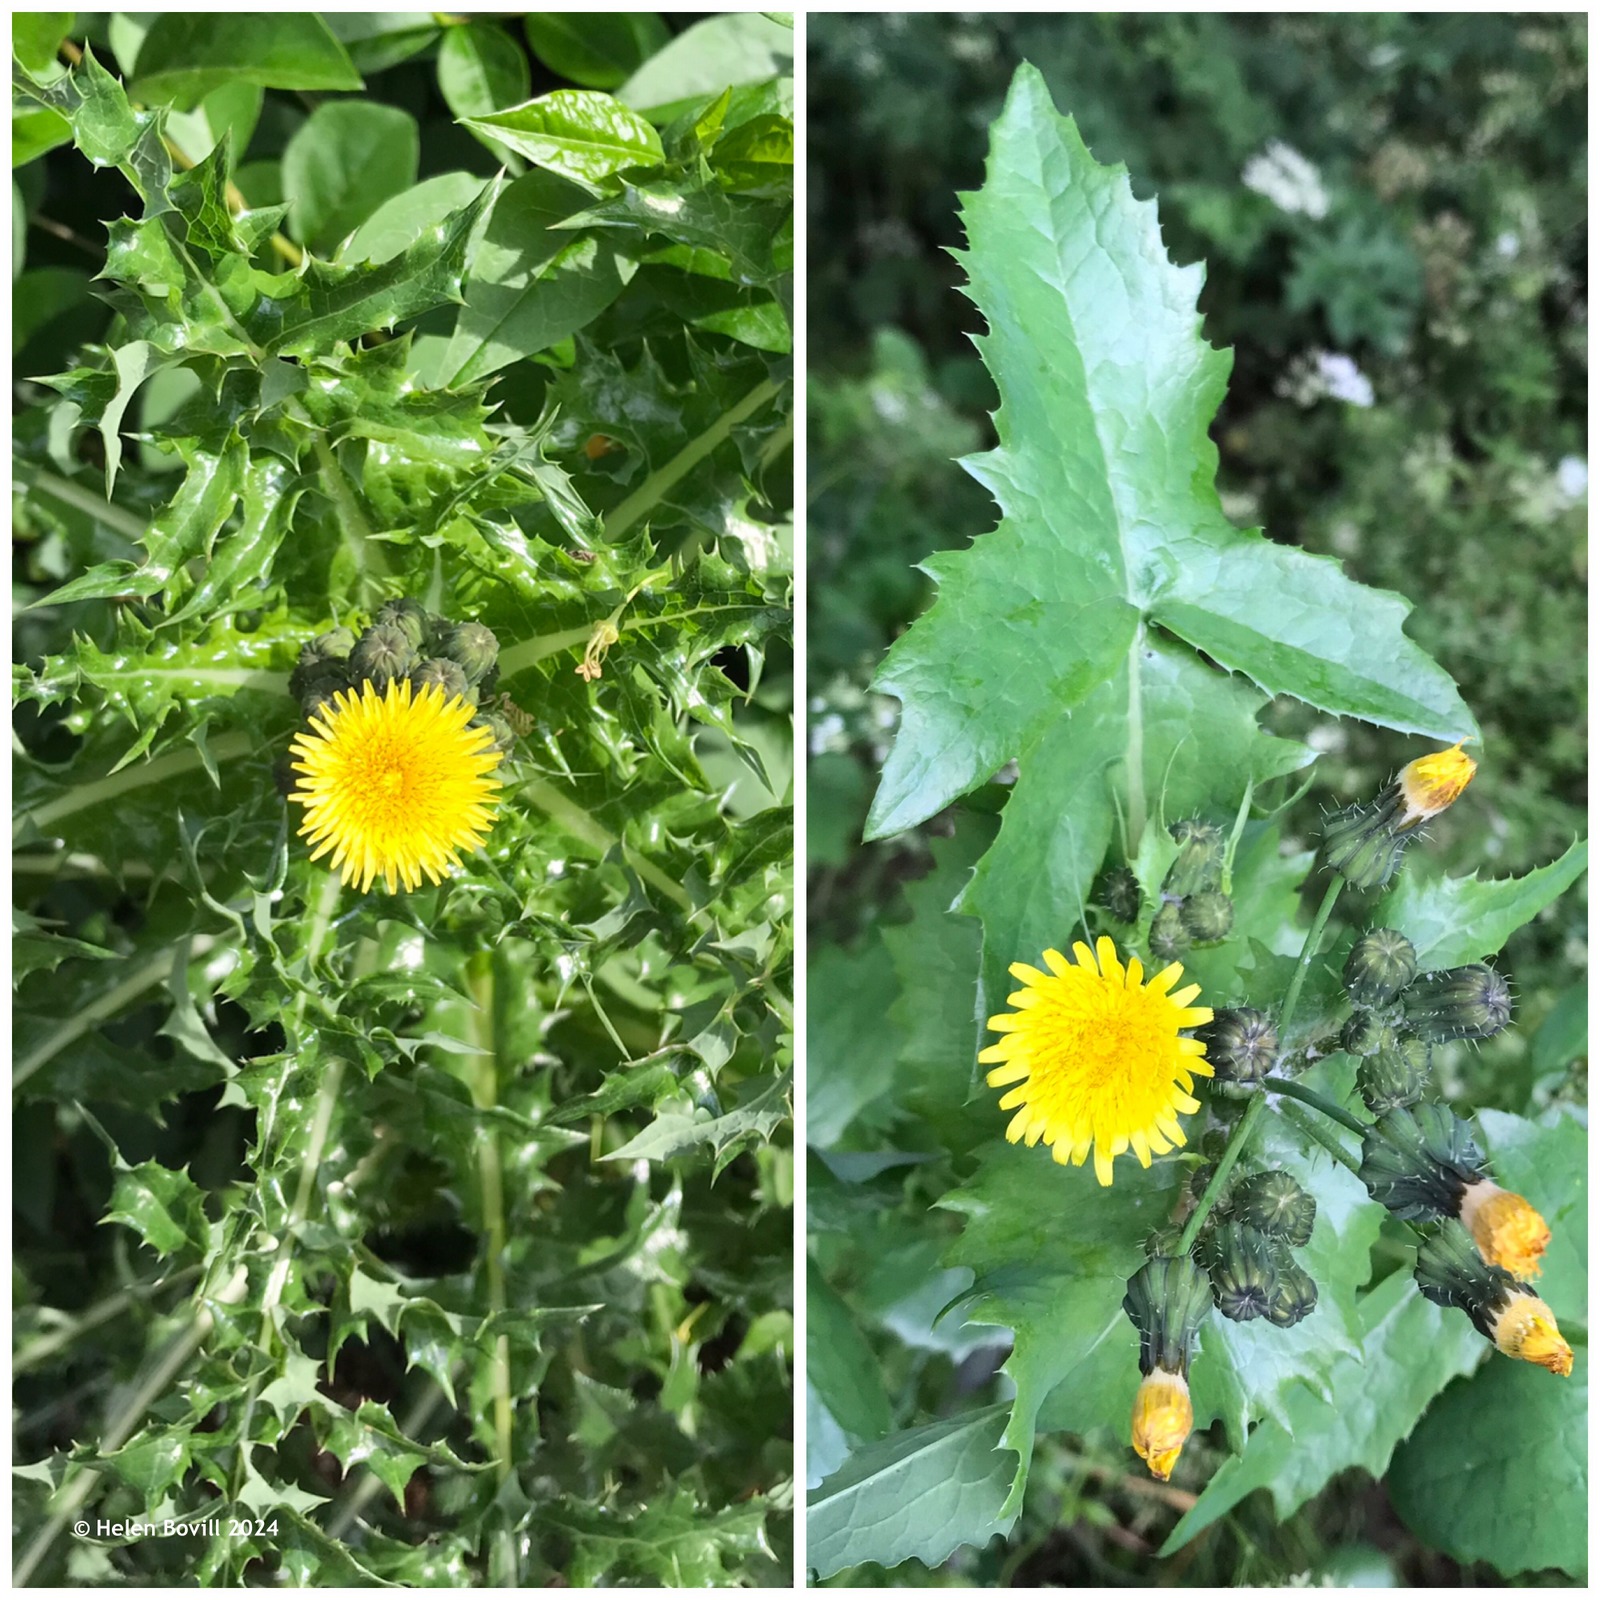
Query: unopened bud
(1274, 1204)
(446, 674)
(1365, 1034)
(408, 616)
(1294, 1299)
(1119, 893)
(1362, 846)
(1241, 1045)
(473, 648)
(1199, 861)
(1418, 1160)
(1506, 1229)
(1380, 964)
(1207, 916)
(1397, 1075)
(1471, 1002)
(315, 686)
(383, 655)
(1168, 937)
(1431, 783)
(1167, 1299)
(334, 645)
(1244, 1276)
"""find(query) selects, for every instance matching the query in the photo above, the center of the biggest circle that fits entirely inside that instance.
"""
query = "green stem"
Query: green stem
(1317, 1102)
(485, 1087)
(1247, 1123)
(46, 1344)
(97, 793)
(648, 495)
(1313, 1129)
(90, 503)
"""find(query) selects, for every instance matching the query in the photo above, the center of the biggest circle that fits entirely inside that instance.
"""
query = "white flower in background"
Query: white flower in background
(1572, 478)
(1508, 246)
(1344, 379)
(1288, 180)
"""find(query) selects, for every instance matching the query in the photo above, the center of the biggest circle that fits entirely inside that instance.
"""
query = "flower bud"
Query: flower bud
(1418, 1160)
(1295, 1297)
(505, 737)
(1118, 891)
(473, 648)
(1163, 1419)
(314, 686)
(1199, 861)
(1471, 1002)
(1507, 1230)
(1213, 1143)
(1207, 916)
(1362, 846)
(334, 645)
(1244, 1276)
(1167, 1300)
(1365, 1034)
(1168, 937)
(1525, 1329)
(1431, 783)
(408, 616)
(1380, 964)
(1274, 1204)
(447, 675)
(383, 655)
(1241, 1045)
(1199, 1179)
(1397, 1075)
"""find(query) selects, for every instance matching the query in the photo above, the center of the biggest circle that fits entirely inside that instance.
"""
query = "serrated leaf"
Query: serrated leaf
(920, 1494)
(671, 1541)
(1452, 921)
(576, 133)
(678, 1132)
(165, 1208)
(1105, 475)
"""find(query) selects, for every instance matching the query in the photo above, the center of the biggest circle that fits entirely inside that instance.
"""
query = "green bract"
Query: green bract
(444, 1236)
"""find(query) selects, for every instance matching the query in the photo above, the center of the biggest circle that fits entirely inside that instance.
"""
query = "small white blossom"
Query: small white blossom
(1288, 180)
(1572, 477)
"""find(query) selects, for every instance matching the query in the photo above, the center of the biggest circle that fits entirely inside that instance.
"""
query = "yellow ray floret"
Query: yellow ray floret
(1097, 1058)
(1431, 784)
(1163, 1418)
(395, 787)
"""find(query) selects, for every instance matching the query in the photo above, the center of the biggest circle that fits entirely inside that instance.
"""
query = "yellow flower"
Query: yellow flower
(1163, 1418)
(1507, 1230)
(1430, 784)
(1525, 1327)
(396, 787)
(1097, 1057)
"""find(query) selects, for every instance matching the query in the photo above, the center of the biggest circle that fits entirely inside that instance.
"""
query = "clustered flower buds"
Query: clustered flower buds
(1118, 891)
(1472, 1002)
(1241, 1047)
(1193, 908)
(1245, 1250)
(1364, 843)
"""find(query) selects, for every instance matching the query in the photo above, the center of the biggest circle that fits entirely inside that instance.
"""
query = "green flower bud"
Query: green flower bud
(1398, 1075)
(409, 617)
(473, 648)
(1472, 1002)
(1241, 1045)
(383, 655)
(1274, 1204)
(1168, 937)
(1362, 846)
(314, 686)
(505, 737)
(1244, 1275)
(1207, 916)
(334, 645)
(1199, 862)
(1118, 891)
(1365, 1035)
(1418, 1160)
(1166, 1240)
(1380, 964)
(1198, 1180)
(447, 674)
(1451, 1272)
(1295, 1297)
(1167, 1300)
(1214, 1143)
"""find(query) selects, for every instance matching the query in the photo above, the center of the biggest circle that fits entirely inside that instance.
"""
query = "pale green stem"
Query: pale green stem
(45, 1345)
(1247, 1123)
(586, 830)
(1317, 1102)
(90, 503)
(88, 795)
(81, 1482)
(1135, 756)
(485, 1085)
(1313, 1129)
(108, 1005)
(649, 494)
(1239, 821)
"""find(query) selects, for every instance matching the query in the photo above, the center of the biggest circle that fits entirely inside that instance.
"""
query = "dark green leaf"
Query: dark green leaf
(595, 49)
(186, 55)
(348, 158)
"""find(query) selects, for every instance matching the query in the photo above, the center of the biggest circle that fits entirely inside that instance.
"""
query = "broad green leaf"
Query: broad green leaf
(36, 131)
(740, 48)
(576, 133)
(852, 1038)
(920, 1493)
(401, 222)
(36, 36)
(1497, 1470)
(342, 164)
(1410, 1349)
(595, 49)
(377, 40)
(481, 70)
(671, 1542)
(1452, 921)
(185, 55)
(840, 1365)
(231, 111)
(1105, 478)
(532, 284)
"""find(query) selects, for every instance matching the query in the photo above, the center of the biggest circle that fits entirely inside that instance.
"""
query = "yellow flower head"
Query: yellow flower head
(1431, 784)
(1525, 1327)
(396, 787)
(1097, 1057)
(1163, 1418)
(1507, 1230)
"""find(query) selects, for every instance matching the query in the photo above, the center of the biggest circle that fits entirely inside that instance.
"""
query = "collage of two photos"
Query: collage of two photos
(1113, 485)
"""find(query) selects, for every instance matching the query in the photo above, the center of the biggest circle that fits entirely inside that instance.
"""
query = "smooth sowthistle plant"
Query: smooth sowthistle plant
(402, 834)
(1094, 672)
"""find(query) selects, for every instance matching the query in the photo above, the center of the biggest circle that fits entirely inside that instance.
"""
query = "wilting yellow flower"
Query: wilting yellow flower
(396, 787)
(1163, 1418)
(1507, 1230)
(1525, 1327)
(1430, 784)
(1097, 1057)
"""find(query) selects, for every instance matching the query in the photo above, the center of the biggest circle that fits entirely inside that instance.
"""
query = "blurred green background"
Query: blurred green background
(1392, 210)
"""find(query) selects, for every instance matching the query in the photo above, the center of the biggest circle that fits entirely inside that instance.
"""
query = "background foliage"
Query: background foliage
(1435, 246)
(445, 1235)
